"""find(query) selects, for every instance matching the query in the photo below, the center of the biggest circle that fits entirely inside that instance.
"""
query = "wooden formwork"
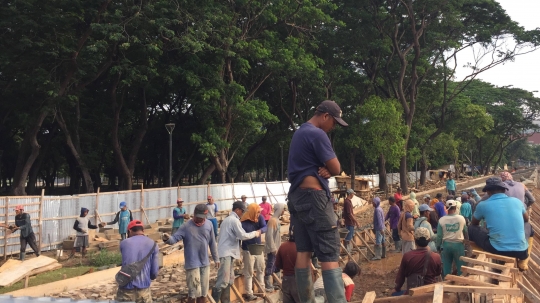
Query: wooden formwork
(486, 278)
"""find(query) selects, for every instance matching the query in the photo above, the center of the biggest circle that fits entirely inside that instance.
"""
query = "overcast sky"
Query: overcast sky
(524, 72)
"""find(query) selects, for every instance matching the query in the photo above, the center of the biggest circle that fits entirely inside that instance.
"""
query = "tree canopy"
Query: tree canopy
(87, 87)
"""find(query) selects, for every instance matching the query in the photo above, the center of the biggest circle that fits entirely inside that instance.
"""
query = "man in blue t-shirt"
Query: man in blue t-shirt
(311, 162)
(505, 217)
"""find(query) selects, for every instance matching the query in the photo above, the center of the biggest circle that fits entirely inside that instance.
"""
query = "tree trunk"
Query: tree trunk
(207, 172)
(177, 178)
(75, 150)
(423, 167)
(27, 155)
(383, 185)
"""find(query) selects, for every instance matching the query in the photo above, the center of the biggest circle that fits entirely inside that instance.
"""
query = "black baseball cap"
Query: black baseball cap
(330, 107)
(240, 205)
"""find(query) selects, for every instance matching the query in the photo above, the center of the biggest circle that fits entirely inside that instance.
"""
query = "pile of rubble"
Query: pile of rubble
(170, 283)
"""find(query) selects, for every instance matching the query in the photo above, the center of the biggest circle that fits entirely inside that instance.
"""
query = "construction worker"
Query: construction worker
(211, 215)
(134, 249)
(179, 215)
(378, 228)
(198, 236)
(229, 250)
(123, 217)
(81, 225)
(24, 224)
(451, 233)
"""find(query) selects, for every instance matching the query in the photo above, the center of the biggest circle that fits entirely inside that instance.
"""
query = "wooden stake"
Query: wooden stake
(26, 280)
(142, 205)
(237, 293)
(369, 297)
(360, 251)
(252, 190)
(348, 253)
(364, 242)
(438, 293)
(6, 201)
(41, 220)
(97, 207)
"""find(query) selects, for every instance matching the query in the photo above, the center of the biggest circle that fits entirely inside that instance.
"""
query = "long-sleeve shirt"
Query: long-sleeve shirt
(196, 239)
(134, 249)
(286, 258)
(80, 225)
(348, 213)
(24, 224)
(272, 239)
(413, 263)
(378, 218)
(451, 184)
(178, 216)
(123, 218)
(423, 222)
(250, 226)
(230, 235)
(393, 215)
(117, 217)
(406, 229)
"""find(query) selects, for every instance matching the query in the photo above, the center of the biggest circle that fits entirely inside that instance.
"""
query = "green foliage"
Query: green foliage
(105, 257)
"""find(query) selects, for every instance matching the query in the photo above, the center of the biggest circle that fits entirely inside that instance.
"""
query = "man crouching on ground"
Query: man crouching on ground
(311, 162)
(134, 249)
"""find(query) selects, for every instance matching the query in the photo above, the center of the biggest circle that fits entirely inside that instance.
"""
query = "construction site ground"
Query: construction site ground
(376, 276)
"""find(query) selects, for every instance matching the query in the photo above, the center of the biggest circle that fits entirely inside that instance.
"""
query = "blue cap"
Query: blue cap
(424, 207)
(122, 204)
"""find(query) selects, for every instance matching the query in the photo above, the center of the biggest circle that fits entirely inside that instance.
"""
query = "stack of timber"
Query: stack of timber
(486, 278)
(530, 283)
(14, 271)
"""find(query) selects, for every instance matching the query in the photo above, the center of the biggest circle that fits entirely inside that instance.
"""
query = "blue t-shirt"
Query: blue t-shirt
(504, 220)
(310, 149)
(451, 184)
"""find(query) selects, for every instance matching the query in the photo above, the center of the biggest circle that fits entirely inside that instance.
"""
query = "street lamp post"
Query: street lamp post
(170, 128)
(281, 146)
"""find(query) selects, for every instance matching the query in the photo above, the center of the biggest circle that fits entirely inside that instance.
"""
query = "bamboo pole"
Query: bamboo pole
(96, 214)
(6, 201)
(41, 220)
(142, 205)
(252, 190)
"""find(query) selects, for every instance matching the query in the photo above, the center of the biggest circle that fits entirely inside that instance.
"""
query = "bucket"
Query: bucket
(343, 232)
(256, 249)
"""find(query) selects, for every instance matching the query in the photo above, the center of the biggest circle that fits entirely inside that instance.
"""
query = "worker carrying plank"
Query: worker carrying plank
(312, 161)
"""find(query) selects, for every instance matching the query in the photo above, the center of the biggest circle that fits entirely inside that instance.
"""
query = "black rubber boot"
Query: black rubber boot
(22, 255)
(226, 295)
(216, 294)
(383, 255)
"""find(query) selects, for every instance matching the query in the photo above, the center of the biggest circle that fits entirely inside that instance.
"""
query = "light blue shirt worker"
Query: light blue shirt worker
(504, 219)
(196, 239)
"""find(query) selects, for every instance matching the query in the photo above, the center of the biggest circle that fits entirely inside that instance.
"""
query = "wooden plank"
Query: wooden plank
(528, 293)
(422, 290)
(483, 290)
(485, 273)
(494, 256)
(18, 272)
(38, 271)
(6, 234)
(426, 298)
(438, 293)
(9, 264)
(468, 281)
(369, 297)
(488, 264)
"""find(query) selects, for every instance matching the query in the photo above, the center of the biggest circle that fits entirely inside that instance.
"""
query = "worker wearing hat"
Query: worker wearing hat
(179, 214)
(81, 225)
(132, 249)
(197, 236)
(229, 250)
(24, 224)
(451, 234)
(504, 217)
(123, 218)
(211, 214)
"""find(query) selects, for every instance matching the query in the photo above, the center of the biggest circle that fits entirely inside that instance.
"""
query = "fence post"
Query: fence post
(6, 233)
(97, 206)
(143, 213)
(41, 219)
